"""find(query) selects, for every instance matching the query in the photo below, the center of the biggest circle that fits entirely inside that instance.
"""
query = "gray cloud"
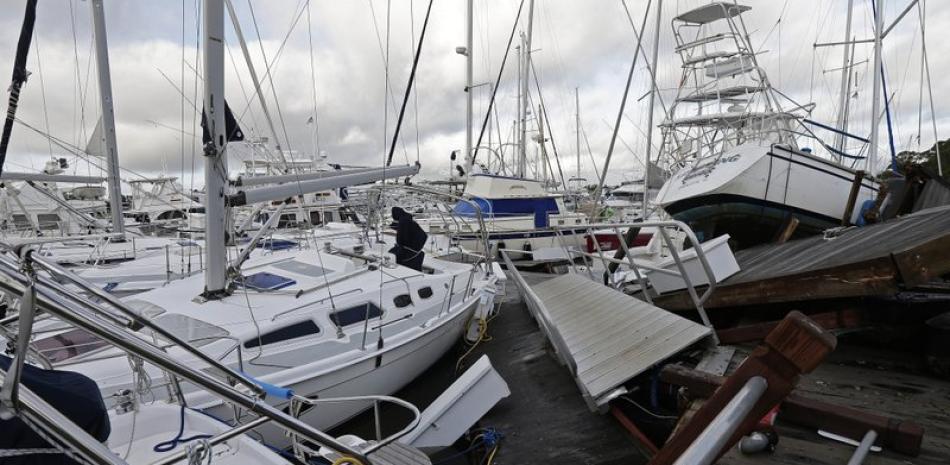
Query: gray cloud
(587, 45)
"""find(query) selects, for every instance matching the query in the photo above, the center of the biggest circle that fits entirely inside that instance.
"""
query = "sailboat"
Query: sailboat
(516, 212)
(329, 321)
(741, 170)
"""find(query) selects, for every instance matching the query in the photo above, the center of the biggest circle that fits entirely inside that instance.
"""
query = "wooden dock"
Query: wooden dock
(879, 260)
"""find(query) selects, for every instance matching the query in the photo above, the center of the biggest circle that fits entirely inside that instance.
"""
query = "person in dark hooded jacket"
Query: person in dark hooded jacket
(410, 239)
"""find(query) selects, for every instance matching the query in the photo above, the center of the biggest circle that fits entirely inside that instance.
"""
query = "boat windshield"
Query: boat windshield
(76, 342)
(191, 330)
(68, 344)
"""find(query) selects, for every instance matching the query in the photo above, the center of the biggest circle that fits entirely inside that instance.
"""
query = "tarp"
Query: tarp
(74, 395)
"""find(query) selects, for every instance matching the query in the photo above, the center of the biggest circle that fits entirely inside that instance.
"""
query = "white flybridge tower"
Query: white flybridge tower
(108, 116)
(216, 171)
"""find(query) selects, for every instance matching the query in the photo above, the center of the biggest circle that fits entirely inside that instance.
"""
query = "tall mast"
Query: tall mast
(845, 77)
(577, 131)
(216, 170)
(652, 65)
(519, 153)
(876, 88)
(468, 87)
(526, 41)
(108, 116)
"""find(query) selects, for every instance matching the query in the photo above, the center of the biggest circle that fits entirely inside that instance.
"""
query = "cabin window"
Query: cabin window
(47, 221)
(402, 300)
(287, 220)
(315, 217)
(294, 331)
(356, 314)
(171, 215)
(328, 217)
(425, 292)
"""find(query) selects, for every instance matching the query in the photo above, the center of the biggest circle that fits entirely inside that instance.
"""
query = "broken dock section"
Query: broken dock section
(603, 336)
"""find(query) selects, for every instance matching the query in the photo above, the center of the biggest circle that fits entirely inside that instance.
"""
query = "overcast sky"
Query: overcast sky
(585, 44)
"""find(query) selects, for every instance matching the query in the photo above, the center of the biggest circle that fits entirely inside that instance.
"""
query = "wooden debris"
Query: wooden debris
(797, 345)
(850, 318)
(900, 435)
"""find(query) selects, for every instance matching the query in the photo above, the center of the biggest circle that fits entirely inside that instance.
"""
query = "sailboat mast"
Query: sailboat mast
(876, 87)
(526, 66)
(652, 65)
(520, 120)
(845, 75)
(468, 87)
(108, 116)
(216, 171)
(577, 130)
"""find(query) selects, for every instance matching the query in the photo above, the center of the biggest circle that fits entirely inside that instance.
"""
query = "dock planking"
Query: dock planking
(545, 420)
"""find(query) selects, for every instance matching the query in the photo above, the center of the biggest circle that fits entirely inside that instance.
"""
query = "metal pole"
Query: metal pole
(469, 43)
(876, 88)
(520, 121)
(708, 445)
(656, 46)
(845, 73)
(930, 91)
(526, 40)
(216, 170)
(577, 130)
(862, 451)
(257, 83)
(108, 115)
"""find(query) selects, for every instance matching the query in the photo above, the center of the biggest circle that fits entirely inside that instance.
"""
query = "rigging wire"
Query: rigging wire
(623, 104)
(39, 70)
(415, 93)
(547, 120)
(382, 54)
(313, 86)
(412, 77)
(494, 92)
(273, 88)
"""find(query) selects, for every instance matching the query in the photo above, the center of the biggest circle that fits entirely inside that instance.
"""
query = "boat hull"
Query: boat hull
(751, 192)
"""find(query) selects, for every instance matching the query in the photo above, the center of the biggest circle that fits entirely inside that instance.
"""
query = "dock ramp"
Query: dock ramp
(602, 335)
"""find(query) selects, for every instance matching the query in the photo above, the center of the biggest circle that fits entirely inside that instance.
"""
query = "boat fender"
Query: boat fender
(865, 207)
(271, 389)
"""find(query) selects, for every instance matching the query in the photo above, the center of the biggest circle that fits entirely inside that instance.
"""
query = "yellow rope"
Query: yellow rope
(482, 331)
(347, 460)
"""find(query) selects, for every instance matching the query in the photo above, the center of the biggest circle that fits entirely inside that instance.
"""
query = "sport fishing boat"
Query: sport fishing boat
(741, 170)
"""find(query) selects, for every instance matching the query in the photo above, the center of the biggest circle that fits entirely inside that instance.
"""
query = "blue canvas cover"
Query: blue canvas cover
(74, 395)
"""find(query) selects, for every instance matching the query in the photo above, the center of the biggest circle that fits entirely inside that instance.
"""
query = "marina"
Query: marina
(217, 248)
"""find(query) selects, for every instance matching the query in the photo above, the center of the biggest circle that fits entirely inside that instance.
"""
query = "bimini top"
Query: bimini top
(712, 12)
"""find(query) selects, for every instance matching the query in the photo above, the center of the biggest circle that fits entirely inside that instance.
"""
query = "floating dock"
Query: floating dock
(603, 336)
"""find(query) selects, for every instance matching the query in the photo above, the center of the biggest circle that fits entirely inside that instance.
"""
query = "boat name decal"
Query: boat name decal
(707, 168)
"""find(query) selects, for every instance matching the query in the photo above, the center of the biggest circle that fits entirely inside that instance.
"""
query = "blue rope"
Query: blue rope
(174, 442)
(490, 437)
